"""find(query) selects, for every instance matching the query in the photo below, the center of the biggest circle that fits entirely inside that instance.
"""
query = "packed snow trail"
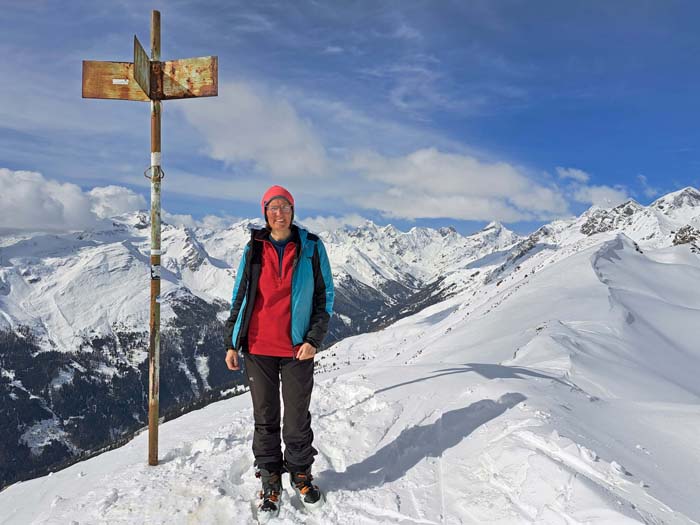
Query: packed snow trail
(379, 462)
(211, 480)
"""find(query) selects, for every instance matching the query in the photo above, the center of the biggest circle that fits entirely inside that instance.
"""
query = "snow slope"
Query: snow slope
(565, 391)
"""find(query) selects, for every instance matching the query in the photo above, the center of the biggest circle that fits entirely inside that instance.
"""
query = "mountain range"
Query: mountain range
(74, 309)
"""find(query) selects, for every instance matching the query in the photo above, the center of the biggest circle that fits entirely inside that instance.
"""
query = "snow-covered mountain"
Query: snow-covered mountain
(558, 384)
(74, 320)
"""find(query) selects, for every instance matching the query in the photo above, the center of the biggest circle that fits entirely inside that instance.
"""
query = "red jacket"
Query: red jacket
(270, 323)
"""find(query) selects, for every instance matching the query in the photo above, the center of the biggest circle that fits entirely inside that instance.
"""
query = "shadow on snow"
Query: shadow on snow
(395, 459)
(488, 371)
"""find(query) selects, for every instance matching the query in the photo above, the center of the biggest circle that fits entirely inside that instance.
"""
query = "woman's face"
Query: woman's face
(279, 215)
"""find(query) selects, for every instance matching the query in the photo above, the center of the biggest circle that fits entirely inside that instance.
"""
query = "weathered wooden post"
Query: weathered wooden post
(151, 80)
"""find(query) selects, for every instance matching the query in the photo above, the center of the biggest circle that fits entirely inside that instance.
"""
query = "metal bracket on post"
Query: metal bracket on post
(160, 173)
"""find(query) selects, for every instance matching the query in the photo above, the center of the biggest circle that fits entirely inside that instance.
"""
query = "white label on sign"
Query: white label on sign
(120, 81)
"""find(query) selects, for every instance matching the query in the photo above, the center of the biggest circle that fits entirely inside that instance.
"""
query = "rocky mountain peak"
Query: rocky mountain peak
(602, 220)
(687, 235)
(446, 231)
(687, 197)
(140, 220)
(628, 208)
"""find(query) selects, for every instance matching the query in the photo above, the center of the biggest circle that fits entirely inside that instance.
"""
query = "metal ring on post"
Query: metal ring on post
(161, 173)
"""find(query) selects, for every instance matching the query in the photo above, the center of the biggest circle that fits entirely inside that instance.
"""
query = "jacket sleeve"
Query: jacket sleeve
(240, 289)
(322, 308)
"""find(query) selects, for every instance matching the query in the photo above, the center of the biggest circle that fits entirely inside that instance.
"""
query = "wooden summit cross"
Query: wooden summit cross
(152, 80)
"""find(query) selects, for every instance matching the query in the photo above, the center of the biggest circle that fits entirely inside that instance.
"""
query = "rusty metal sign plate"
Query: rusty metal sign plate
(191, 77)
(111, 80)
(142, 67)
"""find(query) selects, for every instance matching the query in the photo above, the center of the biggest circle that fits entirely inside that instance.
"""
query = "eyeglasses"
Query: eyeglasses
(277, 209)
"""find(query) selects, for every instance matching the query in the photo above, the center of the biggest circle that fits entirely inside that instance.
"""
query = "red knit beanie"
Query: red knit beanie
(274, 192)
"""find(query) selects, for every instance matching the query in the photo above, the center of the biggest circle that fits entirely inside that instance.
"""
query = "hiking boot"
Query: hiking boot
(269, 495)
(310, 495)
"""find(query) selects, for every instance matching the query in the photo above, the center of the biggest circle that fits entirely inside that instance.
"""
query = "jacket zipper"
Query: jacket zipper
(297, 251)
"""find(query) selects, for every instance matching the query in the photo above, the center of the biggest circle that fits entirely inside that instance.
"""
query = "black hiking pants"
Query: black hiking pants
(297, 379)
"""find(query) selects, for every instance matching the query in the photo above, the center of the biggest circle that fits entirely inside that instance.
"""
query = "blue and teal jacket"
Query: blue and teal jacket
(312, 290)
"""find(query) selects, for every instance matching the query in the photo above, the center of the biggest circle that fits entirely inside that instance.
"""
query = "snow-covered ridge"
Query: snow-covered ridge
(35, 269)
(48, 281)
(678, 203)
(371, 253)
(564, 392)
(651, 226)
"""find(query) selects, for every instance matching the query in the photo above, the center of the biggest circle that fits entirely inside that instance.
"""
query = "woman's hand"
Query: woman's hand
(306, 351)
(232, 359)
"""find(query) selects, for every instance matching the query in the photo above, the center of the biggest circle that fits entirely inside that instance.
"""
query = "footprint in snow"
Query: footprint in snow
(108, 501)
(618, 469)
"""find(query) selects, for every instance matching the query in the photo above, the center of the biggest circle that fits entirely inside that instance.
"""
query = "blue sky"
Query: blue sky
(415, 113)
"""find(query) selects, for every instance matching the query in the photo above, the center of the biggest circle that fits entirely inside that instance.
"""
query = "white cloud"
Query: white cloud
(247, 124)
(573, 173)
(256, 127)
(215, 222)
(543, 201)
(432, 184)
(249, 189)
(109, 201)
(332, 50)
(330, 223)
(603, 196)
(648, 190)
(30, 201)
(349, 127)
(177, 219)
(251, 23)
(209, 222)
(417, 84)
(579, 191)
(407, 32)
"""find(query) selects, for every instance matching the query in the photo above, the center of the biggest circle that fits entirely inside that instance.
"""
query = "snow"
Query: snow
(63, 377)
(108, 371)
(202, 362)
(564, 391)
(43, 433)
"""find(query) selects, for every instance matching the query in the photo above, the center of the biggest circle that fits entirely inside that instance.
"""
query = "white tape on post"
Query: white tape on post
(155, 158)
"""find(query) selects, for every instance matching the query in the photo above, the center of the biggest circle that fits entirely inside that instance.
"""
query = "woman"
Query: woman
(282, 303)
